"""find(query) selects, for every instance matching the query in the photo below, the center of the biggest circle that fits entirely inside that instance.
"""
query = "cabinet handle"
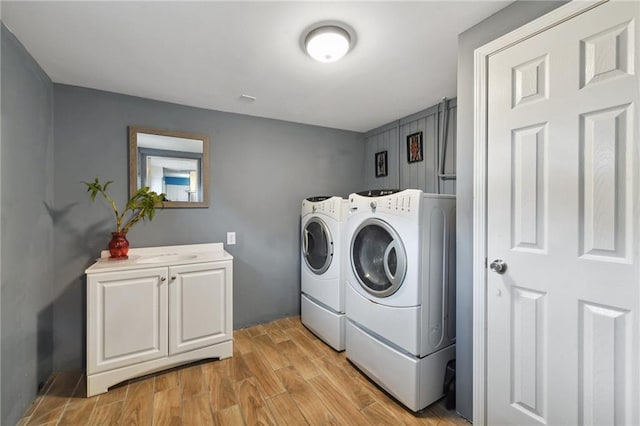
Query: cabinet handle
(163, 278)
(173, 278)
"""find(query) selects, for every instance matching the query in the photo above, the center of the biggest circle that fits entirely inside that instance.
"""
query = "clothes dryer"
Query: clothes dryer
(322, 268)
(400, 292)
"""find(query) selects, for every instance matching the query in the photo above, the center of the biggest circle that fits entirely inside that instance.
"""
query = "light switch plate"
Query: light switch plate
(231, 238)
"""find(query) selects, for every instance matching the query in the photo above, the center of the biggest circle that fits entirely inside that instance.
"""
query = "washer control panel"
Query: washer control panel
(331, 206)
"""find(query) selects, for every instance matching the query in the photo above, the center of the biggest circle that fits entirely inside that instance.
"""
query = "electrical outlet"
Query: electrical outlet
(231, 238)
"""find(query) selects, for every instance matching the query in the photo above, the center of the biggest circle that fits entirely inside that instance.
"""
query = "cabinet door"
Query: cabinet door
(200, 305)
(126, 318)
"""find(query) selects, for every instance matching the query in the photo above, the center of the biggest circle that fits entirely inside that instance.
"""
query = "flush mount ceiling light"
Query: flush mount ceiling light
(327, 43)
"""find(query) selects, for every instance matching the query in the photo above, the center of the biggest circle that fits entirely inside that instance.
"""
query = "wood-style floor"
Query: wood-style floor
(280, 374)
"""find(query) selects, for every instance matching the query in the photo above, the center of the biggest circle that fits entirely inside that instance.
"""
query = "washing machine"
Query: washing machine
(400, 291)
(322, 268)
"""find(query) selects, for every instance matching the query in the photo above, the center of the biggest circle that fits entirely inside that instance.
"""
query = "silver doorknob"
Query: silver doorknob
(498, 266)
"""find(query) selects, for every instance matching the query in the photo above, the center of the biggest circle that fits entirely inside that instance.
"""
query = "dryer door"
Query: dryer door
(317, 245)
(378, 258)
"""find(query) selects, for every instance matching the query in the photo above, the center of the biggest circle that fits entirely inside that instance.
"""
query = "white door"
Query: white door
(127, 318)
(200, 305)
(563, 209)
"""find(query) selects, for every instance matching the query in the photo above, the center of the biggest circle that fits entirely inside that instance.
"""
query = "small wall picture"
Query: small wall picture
(414, 147)
(381, 163)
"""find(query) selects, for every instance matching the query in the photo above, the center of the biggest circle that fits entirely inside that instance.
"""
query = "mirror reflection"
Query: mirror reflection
(175, 163)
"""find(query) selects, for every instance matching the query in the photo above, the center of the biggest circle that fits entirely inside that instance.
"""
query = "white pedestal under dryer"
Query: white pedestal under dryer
(322, 268)
(400, 291)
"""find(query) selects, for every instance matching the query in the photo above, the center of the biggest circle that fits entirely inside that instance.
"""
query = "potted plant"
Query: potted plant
(141, 206)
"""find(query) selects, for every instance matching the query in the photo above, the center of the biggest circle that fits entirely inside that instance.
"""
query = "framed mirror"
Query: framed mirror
(176, 163)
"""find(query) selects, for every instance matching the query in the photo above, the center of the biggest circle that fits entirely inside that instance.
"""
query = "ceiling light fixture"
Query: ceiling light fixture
(327, 43)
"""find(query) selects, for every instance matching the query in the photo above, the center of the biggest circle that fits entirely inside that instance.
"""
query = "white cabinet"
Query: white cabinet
(163, 307)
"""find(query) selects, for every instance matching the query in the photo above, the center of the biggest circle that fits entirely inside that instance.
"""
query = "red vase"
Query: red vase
(118, 246)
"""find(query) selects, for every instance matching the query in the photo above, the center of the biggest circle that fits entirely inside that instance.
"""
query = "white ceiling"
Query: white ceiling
(206, 54)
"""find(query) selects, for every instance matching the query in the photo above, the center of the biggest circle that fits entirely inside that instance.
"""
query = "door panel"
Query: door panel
(604, 365)
(608, 54)
(528, 177)
(129, 324)
(563, 202)
(606, 138)
(199, 306)
(528, 365)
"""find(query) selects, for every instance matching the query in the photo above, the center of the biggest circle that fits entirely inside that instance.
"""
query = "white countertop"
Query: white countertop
(153, 257)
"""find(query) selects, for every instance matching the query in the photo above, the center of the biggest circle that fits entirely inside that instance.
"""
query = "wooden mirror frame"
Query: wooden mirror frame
(133, 163)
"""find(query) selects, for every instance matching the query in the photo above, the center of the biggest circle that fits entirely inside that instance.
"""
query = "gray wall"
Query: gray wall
(392, 138)
(504, 21)
(261, 170)
(27, 229)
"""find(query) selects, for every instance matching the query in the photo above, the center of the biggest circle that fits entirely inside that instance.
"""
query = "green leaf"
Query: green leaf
(142, 204)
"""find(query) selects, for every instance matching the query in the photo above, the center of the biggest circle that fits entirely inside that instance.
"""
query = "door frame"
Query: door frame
(479, 268)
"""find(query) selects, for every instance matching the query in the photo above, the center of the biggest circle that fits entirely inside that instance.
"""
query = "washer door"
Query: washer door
(317, 245)
(378, 258)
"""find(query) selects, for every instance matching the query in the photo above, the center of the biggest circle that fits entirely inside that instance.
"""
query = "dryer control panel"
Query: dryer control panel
(405, 202)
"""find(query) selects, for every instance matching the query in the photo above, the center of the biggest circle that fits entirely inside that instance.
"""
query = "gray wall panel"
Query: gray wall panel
(504, 21)
(422, 174)
(383, 140)
(27, 210)
(261, 170)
